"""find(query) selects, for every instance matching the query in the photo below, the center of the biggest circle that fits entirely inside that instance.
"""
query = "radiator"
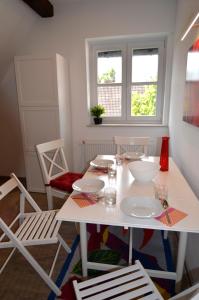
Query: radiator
(92, 148)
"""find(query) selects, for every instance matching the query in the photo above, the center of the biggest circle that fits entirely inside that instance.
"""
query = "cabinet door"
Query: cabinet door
(36, 81)
(33, 173)
(39, 125)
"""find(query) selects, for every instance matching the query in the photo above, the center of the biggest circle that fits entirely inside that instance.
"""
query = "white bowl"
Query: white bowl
(133, 155)
(101, 163)
(143, 171)
(88, 185)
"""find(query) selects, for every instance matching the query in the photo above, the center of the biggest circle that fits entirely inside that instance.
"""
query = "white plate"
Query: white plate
(141, 207)
(88, 185)
(133, 155)
(101, 163)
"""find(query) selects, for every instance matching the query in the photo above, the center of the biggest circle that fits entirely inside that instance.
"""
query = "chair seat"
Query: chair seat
(65, 182)
(127, 283)
(37, 228)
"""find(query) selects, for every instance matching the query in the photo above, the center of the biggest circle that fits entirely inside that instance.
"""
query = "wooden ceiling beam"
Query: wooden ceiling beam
(43, 7)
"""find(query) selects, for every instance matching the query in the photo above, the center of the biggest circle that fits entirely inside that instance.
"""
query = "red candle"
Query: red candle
(164, 156)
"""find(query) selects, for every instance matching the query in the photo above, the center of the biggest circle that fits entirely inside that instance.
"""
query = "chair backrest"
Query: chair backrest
(52, 159)
(122, 141)
(131, 282)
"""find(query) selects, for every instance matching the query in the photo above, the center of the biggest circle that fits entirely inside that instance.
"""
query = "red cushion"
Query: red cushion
(64, 182)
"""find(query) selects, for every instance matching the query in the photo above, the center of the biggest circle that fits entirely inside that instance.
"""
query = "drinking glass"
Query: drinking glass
(110, 196)
(118, 159)
(111, 170)
(161, 191)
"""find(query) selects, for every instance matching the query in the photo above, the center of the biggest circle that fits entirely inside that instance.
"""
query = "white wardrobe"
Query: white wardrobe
(44, 107)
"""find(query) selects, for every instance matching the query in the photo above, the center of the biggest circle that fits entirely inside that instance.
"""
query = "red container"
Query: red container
(164, 156)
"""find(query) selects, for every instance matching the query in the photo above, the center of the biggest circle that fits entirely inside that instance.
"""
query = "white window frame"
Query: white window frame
(126, 45)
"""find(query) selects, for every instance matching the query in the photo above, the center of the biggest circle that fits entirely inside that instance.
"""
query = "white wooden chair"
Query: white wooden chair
(136, 142)
(131, 282)
(139, 144)
(34, 228)
(57, 178)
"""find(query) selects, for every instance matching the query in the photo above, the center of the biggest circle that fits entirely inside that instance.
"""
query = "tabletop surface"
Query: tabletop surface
(180, 196)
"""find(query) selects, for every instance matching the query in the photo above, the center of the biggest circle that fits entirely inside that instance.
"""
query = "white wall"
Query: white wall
(11, 158)
(185, 137)
(17, 21)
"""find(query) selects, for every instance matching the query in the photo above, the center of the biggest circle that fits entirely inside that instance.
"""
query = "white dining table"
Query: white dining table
(180, 196)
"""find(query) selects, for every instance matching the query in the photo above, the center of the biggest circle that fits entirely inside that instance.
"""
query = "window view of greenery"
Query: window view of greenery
(107, 77)
(144, 72)
(144, 104)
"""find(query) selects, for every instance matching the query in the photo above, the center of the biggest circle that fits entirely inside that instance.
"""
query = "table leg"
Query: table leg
(83, 245)
(181, 259)
(130, 245)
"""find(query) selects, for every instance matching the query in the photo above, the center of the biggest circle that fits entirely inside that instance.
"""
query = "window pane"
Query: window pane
(109, 67)
(110, 98)
(143, 100)
(145, 65)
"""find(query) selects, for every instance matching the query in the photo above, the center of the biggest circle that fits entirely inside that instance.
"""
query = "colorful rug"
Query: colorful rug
(111, 246)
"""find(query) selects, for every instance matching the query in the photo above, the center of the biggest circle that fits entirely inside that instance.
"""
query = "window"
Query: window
(109, 81)
(127, 78)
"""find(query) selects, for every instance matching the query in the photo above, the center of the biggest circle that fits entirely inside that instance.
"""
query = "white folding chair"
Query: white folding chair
(34, 228)
(131, 282)
(57, 178)
(127, 283)
(139, 144)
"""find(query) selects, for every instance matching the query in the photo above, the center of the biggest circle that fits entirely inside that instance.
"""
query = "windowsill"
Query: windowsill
(127, 125)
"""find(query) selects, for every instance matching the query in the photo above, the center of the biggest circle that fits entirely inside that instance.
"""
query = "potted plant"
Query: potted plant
(96, 112)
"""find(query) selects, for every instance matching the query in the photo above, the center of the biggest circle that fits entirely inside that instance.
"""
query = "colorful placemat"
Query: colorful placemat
(84, 200)
(174, 214)
(98, 171)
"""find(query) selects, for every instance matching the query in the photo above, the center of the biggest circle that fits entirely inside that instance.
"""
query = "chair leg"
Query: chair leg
(98, 228)
(7, 260)
(63, 243)
(165, 234)
(130, 245)
(55, 260)
(49, 197)
(22, 207)
(40, 270)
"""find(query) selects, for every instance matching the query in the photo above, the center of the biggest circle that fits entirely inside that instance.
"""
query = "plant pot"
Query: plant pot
(97, 121)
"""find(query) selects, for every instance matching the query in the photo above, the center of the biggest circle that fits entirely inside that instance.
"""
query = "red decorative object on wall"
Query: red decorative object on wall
(164, 156)
(191, 101)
